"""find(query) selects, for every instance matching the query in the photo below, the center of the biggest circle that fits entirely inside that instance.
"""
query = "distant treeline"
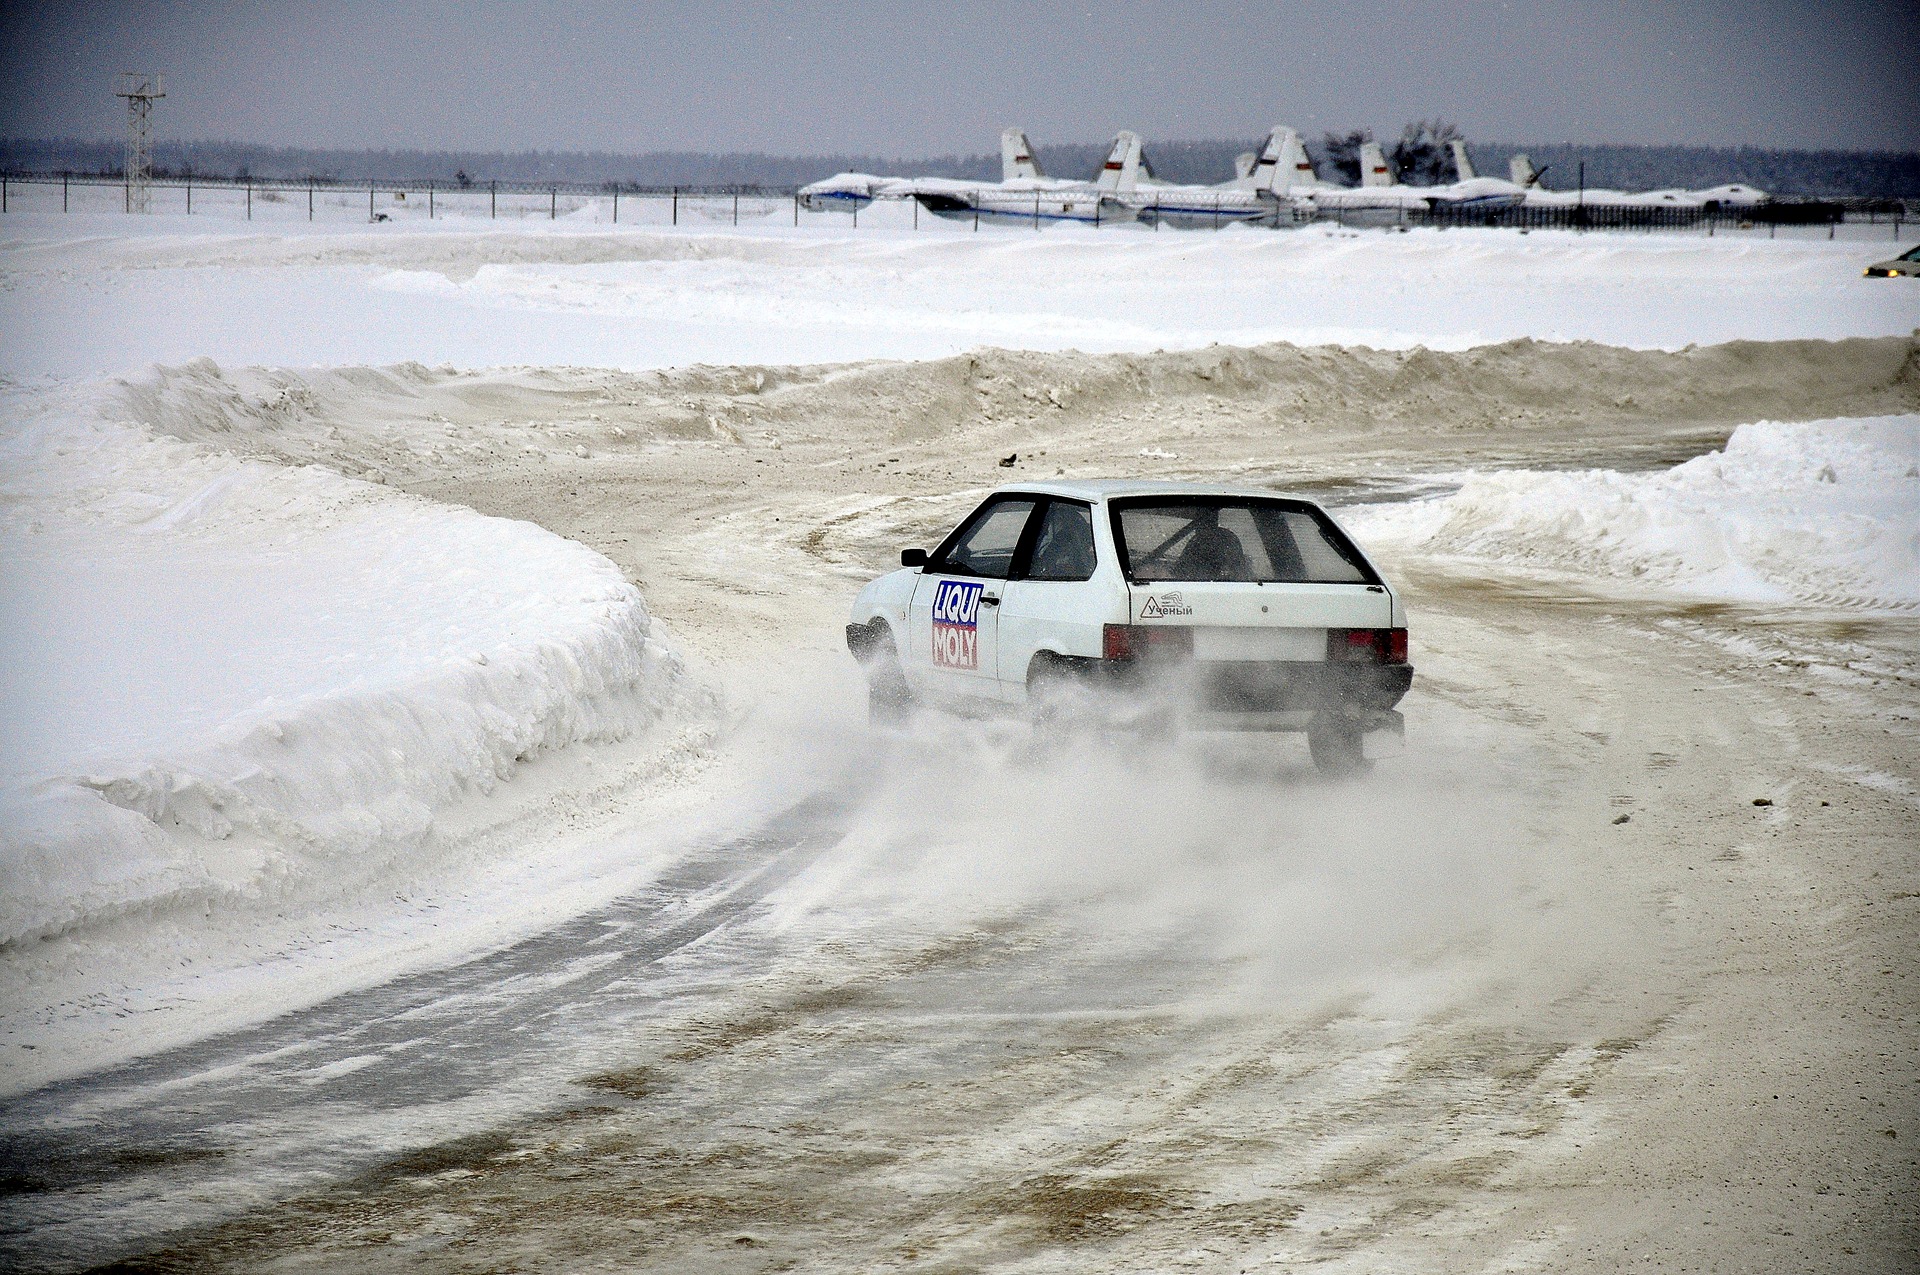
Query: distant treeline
(1823, 174)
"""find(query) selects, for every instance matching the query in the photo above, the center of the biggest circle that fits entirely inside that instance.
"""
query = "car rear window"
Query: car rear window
(1228, 538)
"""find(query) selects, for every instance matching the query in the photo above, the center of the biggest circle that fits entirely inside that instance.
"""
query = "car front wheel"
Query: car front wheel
(889, 698)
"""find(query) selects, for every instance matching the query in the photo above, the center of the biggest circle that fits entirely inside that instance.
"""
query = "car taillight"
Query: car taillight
(1143, 641)
(1367, 646)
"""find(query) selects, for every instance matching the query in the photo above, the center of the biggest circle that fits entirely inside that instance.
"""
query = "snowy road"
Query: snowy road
(1499, 1027)
(1616, 966)
(97, 1166)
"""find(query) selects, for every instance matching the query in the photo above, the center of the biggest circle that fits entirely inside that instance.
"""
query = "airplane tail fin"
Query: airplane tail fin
(1293, 168)
(1016, 157)
(1373, 166)
(1269, 169)
(1520, 170)
(1462, 166)
(1243, 165)
(1122, 168)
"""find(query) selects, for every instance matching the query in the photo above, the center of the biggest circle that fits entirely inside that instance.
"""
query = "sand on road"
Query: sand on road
(1460, 1016)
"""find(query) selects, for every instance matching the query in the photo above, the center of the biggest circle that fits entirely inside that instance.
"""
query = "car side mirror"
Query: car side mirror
(913, 557)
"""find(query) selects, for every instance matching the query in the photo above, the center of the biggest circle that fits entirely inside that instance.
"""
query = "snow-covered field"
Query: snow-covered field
(86, 296)
(300, 697)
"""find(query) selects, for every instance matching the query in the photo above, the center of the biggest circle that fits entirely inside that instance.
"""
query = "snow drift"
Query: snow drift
(1817, 513)
(227, 679)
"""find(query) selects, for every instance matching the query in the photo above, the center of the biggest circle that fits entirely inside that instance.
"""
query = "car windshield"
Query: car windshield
(1912, 254)
(1231, 538)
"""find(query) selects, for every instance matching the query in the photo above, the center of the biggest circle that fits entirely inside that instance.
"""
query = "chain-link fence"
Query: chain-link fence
(280, 200)
(315, 200)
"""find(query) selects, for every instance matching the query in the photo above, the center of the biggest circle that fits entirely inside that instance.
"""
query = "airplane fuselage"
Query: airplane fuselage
(966, 203)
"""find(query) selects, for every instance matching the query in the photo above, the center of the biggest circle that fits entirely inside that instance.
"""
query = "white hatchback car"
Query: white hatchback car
(1179, 604)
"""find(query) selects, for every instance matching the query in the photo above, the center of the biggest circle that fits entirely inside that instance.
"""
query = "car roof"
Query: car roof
(1099, 489)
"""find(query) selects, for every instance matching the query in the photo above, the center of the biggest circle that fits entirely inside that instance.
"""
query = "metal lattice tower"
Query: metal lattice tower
(140, 90)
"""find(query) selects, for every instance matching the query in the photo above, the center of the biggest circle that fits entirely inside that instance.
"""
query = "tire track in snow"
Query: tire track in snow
(93, 1168)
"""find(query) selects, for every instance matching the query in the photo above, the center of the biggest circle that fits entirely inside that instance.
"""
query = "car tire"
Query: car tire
(1335, 745)
(1054, 698)
(889, 699)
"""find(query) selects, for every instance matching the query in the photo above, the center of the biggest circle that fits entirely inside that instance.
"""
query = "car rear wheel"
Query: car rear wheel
(1048, 696)
(1335, 745)
(1060, 702)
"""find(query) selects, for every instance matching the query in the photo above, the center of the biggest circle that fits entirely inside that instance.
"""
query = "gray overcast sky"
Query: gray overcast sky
(855, 76)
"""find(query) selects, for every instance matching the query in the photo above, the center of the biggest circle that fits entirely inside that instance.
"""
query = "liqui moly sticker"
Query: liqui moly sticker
(956, 624)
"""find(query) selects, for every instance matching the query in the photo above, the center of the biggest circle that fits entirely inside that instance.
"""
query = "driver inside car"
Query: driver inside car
(1212, 552)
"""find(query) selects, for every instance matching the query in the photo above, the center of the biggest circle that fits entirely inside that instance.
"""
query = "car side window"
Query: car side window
(1063, 549)
(985, 545)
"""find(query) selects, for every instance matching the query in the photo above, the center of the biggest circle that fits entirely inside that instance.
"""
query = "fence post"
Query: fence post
(553, 203)
(249, 199)
(429, 201)
(369, 201)
(796, 209)
(676, 205)
(309, 199)
(3, 192)
(63, 198)
(976, 214)
(856, 216)
(916, 214)
(736, 207)
(616, 205)
(1036, 210)
(126, 193)
(493, 198)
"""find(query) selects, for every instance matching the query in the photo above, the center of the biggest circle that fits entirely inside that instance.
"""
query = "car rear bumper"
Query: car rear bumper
(1278, 686)
(1262, 695)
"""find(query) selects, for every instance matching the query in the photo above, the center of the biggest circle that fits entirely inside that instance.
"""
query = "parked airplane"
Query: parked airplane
(1024, 192)
(848, 192)
(852, 191)
(1253, 194)
(1380, 196)
(1737, 195)
(1028, 195)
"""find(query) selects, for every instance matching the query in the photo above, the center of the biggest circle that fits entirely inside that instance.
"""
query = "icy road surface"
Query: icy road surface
(1514, 999)
(475, 294)
(1616, 966)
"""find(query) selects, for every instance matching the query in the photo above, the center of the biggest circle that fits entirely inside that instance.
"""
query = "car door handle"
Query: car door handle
(988, 600)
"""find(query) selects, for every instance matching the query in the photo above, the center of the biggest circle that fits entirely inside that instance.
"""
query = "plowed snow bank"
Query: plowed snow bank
(230, 679)
(1822, 513)
(409, 417)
